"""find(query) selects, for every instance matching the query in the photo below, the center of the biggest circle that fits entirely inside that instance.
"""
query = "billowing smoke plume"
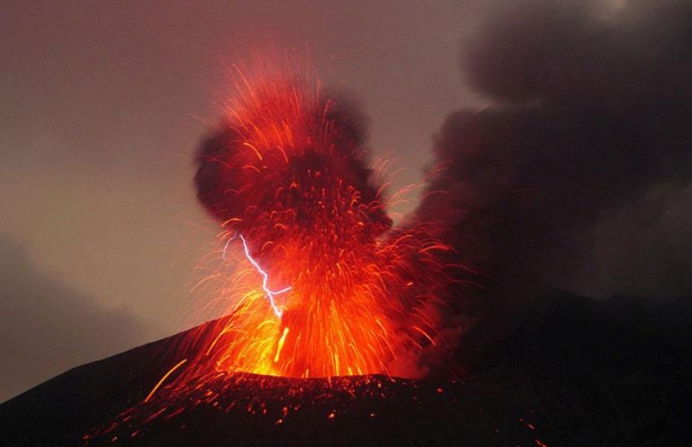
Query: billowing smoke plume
(231, 190)
(591, 108)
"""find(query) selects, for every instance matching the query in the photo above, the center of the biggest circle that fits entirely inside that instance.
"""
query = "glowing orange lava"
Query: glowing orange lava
(322, 285)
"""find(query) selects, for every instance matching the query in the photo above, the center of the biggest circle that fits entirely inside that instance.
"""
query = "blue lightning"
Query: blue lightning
(265, 276)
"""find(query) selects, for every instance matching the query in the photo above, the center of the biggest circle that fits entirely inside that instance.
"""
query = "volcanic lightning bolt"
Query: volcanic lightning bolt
(265, 277)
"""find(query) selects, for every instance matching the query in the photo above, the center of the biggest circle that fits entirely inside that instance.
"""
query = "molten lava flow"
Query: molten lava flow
(322, 285)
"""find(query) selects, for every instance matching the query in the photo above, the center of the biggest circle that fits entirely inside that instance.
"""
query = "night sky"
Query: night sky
(102, 105)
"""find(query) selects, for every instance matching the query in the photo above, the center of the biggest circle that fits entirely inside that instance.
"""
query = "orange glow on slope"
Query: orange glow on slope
(163, 379)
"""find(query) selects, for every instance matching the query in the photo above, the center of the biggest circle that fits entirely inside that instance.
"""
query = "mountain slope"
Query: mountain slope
(575, 372)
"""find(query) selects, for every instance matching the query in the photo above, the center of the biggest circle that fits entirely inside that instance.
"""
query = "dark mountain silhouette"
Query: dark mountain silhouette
(574, 372)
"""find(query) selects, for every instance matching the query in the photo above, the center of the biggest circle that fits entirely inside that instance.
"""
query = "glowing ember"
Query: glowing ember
(287, 178)
(315, 281)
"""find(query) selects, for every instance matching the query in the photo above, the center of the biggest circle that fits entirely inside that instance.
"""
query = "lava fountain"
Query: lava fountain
(315, 281)
(323, 284)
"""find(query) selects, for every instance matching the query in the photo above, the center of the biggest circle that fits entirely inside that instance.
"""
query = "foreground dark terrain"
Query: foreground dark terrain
(574, 373)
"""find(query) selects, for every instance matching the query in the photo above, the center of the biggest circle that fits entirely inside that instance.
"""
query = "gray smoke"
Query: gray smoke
(591, 113)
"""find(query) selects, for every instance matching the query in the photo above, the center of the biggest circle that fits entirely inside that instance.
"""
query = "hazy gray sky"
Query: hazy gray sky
(102, 104)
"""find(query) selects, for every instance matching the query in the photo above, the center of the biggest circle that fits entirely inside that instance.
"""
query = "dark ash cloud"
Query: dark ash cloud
(590, 112)
(230, 191)
(46, 327)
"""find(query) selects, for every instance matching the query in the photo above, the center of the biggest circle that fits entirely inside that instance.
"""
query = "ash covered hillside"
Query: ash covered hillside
(574, 372)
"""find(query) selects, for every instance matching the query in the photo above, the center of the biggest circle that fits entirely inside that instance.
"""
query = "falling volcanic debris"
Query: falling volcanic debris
(318, 283)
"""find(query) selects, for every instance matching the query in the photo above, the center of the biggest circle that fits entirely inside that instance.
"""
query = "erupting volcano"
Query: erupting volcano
(331, 314)
(321, 284)
(563, 167)
(314, 281)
